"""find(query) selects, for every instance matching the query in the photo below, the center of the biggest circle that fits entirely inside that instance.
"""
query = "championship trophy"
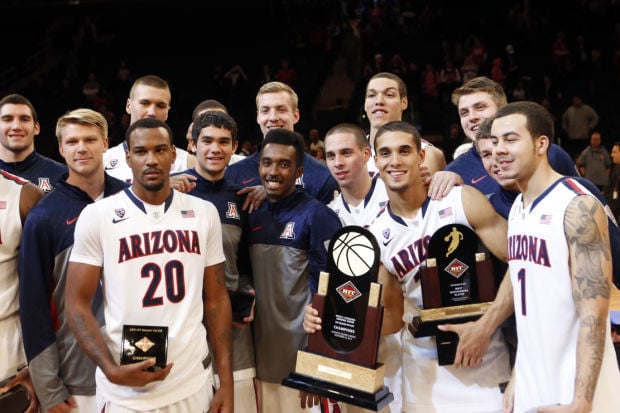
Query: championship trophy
(458, 285)
(340, 361)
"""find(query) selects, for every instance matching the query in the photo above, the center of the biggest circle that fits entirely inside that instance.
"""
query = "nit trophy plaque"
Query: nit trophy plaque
(341, 360)
(458, 285)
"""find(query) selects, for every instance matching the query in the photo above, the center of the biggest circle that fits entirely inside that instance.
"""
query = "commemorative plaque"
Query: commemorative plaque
(458, 285)
(340, 361)
(144, 342)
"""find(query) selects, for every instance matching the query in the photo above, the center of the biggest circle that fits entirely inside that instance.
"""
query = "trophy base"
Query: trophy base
(340, 372)
(425, 324)
(371, 401)
(340, 380)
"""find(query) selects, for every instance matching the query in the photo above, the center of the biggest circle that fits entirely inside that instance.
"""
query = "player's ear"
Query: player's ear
(543, 143)
(299, 172)
(422, 156)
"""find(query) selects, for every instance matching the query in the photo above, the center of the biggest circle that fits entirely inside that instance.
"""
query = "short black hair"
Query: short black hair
(286, 137)
(400, 126)
(215, 118)
(147, 123)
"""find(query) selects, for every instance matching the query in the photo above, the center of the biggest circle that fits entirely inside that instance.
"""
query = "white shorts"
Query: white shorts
(197, 403)
(85, 404)
(12, 354)
(276, 398)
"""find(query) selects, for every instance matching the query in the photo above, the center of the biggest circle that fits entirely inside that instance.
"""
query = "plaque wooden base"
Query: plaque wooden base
(346, 382)
(425, 324)
(442, 308)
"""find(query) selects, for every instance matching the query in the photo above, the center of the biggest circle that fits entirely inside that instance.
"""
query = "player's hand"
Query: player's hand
(137, 374)
(223, 400)
(23, 378)
(509, 397)
(473, 343)
(183, 182)
(250, 317)
(440, 184)
(256, 195)
(308, 400)
(312, 322)
(65, 406)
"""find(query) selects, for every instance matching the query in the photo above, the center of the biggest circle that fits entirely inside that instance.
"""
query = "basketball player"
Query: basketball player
(402, 230)
(346, 155)
(158, 253)
(277, 107)
(64, 377)
(556, 228)
(476, 100)
(359, 202)
(214, 135)
(149, 97)
(19, 124)
(18, 196)
(288, 241)
(386, 100)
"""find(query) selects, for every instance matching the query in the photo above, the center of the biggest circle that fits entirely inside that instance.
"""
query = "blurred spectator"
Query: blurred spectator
(577, 122)
(594, 162)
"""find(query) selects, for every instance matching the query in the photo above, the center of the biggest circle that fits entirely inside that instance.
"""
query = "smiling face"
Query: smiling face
(345, 160)
(473, 109)
(82, 147)
(214, 148)
(485, 147)
(398, 160)
(383, 102)
(17, 131)
(278, 170)
(275, 110)
(515, 151)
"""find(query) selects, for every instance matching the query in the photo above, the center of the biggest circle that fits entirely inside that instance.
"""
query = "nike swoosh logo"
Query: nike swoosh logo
(116, 221)
(108, 168)
(71, 221)
(247, 181)
(385, 243)
(475, 181)
(254, 229)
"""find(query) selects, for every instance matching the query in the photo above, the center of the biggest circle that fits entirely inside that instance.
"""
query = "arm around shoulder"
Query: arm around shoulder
(491, 228)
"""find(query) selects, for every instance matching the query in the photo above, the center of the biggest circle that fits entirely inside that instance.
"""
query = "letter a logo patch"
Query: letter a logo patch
(288, 232)
(232, 211)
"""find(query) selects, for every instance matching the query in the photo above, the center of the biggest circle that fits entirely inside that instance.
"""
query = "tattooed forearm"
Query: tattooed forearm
(593, 332)
(589, 248)
(88, 339)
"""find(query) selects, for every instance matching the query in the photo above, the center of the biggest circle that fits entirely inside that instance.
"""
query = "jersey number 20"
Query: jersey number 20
(173, 278)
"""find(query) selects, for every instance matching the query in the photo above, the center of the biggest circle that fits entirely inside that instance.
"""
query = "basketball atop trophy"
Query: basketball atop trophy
(341, 359)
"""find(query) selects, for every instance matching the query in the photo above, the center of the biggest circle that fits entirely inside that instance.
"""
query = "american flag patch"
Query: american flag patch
(2, 204)
(188, 214)
(545, 219)
(444, 213)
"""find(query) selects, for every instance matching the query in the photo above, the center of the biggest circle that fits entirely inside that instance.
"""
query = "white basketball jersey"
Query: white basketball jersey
(427, 386)
(363, 214)
(546, 314)
(153, 270)
(10, 236)
(12, 353)
(115, 162)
